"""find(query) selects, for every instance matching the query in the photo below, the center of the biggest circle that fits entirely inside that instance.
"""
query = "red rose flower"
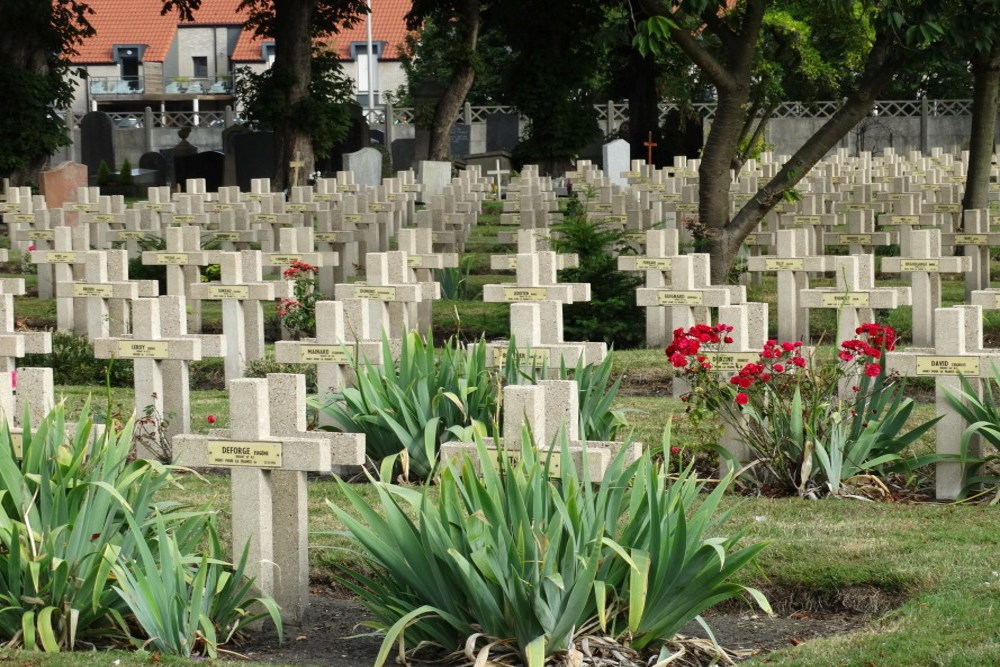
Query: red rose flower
(742, 399)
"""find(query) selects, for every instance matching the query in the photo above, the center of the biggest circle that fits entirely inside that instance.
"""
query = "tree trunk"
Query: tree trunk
(713, 174)
(293, 70)
(986, 75)
(883, 60)
(643, 107)
(458, 86)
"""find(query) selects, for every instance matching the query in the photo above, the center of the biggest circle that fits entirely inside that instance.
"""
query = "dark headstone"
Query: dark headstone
(403, 152)
(376, 137)
(253, 155)
(682, 135)
(208, 165)
(96, 142)
(357, 138)
(461, 139)
(156, 163)
(502, 132)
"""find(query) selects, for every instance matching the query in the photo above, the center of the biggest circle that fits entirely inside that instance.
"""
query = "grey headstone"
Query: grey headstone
(96, 141)
(366, 164)
(433, 176)
(461, 139)
(208, 165)
(158, 164)
(502, 131)
(253, 154)
(616, 160)
(403, 151)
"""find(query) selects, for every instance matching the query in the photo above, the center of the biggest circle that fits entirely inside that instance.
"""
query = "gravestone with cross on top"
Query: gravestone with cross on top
(551, 409)
(661, 247)
(269, 453)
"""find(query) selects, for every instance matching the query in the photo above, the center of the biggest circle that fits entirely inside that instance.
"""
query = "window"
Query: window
(200, 66)
(367, 66)
(267, 52)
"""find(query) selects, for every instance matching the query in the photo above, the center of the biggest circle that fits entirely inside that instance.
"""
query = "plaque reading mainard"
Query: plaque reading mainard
(323, 354)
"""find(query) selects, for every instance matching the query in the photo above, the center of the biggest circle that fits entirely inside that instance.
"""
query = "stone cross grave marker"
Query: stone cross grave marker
(958, 351)
(269, 453)
(15, 344)
(661, 246)
(389, 293)
(925, 265)
(497, 173)
(182, 258)
(549, 409)
(418, 244)
(96, 292)
(977, 242)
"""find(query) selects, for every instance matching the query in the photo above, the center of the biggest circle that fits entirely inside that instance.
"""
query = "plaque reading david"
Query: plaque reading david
(248, 454)
(675, 298)
(513, 294)
(940, 365)
(229, 291)
(142, 349)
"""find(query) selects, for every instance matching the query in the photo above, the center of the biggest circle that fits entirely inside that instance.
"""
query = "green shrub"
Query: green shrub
(533, 564)
(103, 174)
(455, 284)
(611, 314)
(125, 175)
(431, 396)
(72, 362)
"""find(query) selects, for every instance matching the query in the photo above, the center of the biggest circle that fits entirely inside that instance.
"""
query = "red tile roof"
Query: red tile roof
(140, 22)
(388, 27)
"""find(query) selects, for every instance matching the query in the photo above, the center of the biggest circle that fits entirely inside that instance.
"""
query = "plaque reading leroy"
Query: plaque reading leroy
(323, 354)
(653, 263)
(90, 289)
(779, 264)
(229, 291)
(41, 235)
(512, 294)
(250, 454)
(970, 239)
(731, 361)
(142, 349)
(935, 365)
(283, 260)
(679, 298)
(377, 293)
(919, 265)
(860, 239)
(60, 257)
(852, 299)
(171, 258)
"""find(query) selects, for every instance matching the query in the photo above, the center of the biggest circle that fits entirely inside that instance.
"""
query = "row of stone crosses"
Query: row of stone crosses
(344, 229)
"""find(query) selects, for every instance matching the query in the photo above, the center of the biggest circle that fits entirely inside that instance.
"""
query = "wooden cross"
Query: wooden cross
(296, 165)
(650, 145)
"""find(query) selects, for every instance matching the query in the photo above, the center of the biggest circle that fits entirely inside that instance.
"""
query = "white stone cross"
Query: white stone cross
(498, 174)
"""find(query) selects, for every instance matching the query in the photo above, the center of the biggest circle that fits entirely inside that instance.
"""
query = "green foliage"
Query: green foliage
(72, 362)
(125, 175)
(183, 602)
(611, 314)
(534, 563)
(430, 396)
(982, 414)
(325, 113)
(454, 281)
(104, 177)
(35, 48)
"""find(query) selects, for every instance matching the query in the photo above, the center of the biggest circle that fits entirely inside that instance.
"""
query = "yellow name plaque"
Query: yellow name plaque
(902, 220)
(947, 208)
(330, 237)
(378, 293)
(323, 354)
(686, 208)
(779, 264)
(41, 235)
(264, 218)
(860, 239)
(296, 208)
(919, 265)
(512, 294)
(172, 258)
(849, 299)
(142, 349)
(182, 218)
(82, 207)
(19, 217)
(131, 236)
(103, 217)
(653, 263)
(226, 236)
(17, 443)
(537, 357)
(222, 207)
(935, 365)
(731, 361)
(60, 257)
(88, 289)
(248, 454)
(415, 261)
(679, 298)
(352, 217)
(283, 260)
(971, 239)
(807, 219)
(228, 292)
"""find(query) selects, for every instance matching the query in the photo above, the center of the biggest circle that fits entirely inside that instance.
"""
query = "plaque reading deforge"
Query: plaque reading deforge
(249, 454)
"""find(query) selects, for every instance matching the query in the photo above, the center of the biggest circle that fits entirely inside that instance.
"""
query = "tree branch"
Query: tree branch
(699, 55)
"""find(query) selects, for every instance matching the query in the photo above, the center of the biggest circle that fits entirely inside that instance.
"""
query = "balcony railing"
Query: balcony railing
(116, 85)
(213, 85)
